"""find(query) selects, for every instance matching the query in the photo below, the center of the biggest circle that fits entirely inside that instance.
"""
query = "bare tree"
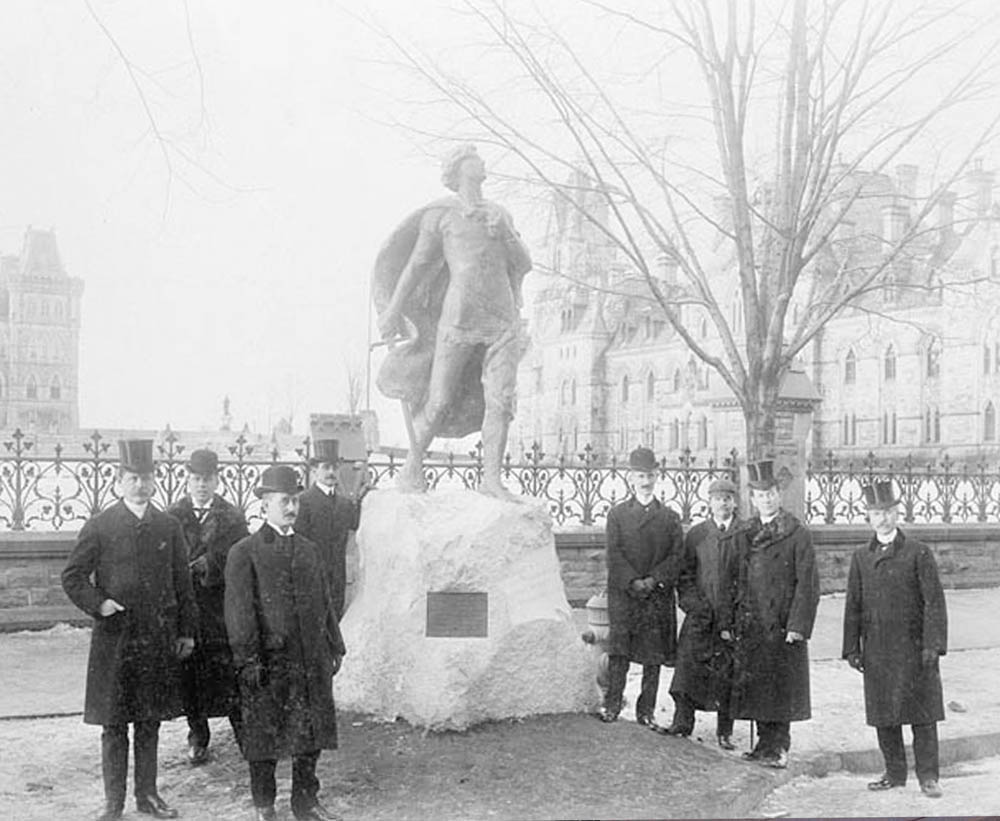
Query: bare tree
(355, 379)
(800, 112)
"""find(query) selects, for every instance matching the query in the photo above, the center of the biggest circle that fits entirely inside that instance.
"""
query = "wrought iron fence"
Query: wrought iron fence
(931, 492)
(57, 490)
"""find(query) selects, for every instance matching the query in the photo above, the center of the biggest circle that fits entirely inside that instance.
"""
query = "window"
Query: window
(889, 428)
(932, 425)
(32, 388)
(650, 387)
(934, 359)
(625, 388)
(677, 380)
(562, 392)
(675, 434)
(572, 395)
(703, 432)
(55, 389)
(850, 368)
(989, 423)
(890, 364)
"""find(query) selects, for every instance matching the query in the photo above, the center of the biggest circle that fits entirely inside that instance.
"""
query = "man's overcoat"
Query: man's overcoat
(133, 673)
(209, 676)
(327, 521)
(773, 588)
(895, 608)
(704, 660)
(278, 614)
(641, 542)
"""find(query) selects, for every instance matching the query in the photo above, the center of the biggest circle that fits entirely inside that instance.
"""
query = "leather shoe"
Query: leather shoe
(885, 783)
(676, 730)
(265, 814)
(112, 812)
(197, 754)
(778, 760)
(648, 721)
(607, 716)
(155, 806)
(931, 789)
(317, 812)
(726, 742)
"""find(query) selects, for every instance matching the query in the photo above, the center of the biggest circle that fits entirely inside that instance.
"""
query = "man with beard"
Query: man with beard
(287, 647)
(774, 592)
(644, 543)
(895, 629)
(702, 676)
(129, 570)
(211, 527)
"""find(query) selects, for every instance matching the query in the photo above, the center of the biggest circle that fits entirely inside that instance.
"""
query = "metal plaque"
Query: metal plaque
(457, 615)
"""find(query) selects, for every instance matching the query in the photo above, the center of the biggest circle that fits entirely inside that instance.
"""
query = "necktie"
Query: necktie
(201, 512)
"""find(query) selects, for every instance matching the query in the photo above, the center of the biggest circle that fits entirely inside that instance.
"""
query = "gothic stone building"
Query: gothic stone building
(912, 369)
(39, 338)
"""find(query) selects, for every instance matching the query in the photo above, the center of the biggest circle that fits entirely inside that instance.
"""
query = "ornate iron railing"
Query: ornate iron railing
(57, 490)
(933, 492)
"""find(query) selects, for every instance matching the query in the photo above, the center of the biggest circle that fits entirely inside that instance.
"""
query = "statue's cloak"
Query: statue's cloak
(406, 371)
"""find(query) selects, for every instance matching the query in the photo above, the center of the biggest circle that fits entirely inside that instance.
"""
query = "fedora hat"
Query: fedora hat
(136, 455)
(760, 474)
(722, 485)
(203, 462)
(325, 450)
(642, 459)
(879, 495)
(278, 479)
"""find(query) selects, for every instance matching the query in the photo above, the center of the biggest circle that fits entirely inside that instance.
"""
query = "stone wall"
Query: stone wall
(967, 556)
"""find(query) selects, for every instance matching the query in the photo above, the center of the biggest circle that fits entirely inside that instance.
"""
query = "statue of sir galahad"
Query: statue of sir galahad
(447, 287)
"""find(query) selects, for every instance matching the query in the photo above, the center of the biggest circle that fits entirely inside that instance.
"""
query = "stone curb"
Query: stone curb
(15, 619)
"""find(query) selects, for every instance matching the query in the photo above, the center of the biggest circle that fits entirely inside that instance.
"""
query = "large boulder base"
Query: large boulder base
(532, 661)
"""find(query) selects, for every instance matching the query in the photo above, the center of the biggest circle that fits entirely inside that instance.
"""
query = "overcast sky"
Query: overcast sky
(242, 269)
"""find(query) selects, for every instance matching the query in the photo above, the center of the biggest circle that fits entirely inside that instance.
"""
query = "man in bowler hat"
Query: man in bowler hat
(644, 544)
(287, 647)
(702, 676)
(895, 629)
(327, 517)
(211, 526)
(129, 570)
(772, 587)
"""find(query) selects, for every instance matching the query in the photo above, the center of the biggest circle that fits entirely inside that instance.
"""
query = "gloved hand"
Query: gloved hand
(253, 675)
(854, 659)
(928, 656)
(793, 636)
(184, 647)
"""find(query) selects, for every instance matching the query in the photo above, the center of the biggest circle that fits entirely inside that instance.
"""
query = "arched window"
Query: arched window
(989, 423)
(675, 434)
(854, 429)
(572, 394)
(933, 359)
(889, 428)
(703, 432)
(625, 388)
(850, 368)
(32, 388)
(562, 392)
(889, 363)
(55, 389)
(937, 425)
(650, 387)
(678, 380)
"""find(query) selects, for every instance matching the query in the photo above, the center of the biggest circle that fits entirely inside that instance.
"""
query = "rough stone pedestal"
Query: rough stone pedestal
(532, 660)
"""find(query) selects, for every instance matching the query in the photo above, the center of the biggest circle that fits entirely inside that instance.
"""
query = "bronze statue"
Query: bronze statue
(447, 287)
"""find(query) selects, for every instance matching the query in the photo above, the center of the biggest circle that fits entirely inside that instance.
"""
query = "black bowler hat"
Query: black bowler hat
(278, 479)
(203, 462)
(642, 459)
(760, 475)
(879, 495)
(325, 450)
(136, 455)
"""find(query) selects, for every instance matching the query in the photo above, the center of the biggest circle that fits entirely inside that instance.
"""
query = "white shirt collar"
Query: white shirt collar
(288, 532)
(889, 540)
(727, 524)
(768, 519)
(137, 510)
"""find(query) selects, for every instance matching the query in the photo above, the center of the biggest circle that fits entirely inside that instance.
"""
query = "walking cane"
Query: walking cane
(751, 735)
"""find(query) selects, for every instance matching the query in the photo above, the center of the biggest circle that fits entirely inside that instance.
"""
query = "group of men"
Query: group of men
(749, 589)
(194, 616)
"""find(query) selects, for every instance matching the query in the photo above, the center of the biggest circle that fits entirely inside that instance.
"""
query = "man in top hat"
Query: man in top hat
(895, 628)
(772, 592)
(287, 647)
(327, 517)
(702, 676)
(644, 544)
(211, 526)
(129, 570)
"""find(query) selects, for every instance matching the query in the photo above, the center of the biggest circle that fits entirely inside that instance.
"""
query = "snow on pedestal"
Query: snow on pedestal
(532, 661)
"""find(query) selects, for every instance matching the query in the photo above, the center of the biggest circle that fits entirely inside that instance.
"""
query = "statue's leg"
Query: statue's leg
(499, 388)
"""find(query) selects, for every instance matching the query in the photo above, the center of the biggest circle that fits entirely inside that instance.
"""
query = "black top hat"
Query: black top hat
(203, 462)
(325, 450)
(278, 479)
(136, 455)
(760, 475)
(642, 459)
(879, 494)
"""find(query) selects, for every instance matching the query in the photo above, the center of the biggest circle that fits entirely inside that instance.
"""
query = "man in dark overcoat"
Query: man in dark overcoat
(287, 646)
(773, 593)
(644, 544)
(211, 526)
(327, 517)
(129, 570)
(702, 676)
(895, 628)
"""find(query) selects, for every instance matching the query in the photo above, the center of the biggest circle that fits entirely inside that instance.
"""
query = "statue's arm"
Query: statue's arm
(425, 258)
(518, 257)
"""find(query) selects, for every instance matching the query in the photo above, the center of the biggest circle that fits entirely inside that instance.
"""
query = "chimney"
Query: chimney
(895, 221)
(980, 183)
(666, 267)
(906, 181)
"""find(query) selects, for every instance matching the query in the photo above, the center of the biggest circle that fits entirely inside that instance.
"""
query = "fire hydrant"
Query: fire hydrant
(596, 635)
